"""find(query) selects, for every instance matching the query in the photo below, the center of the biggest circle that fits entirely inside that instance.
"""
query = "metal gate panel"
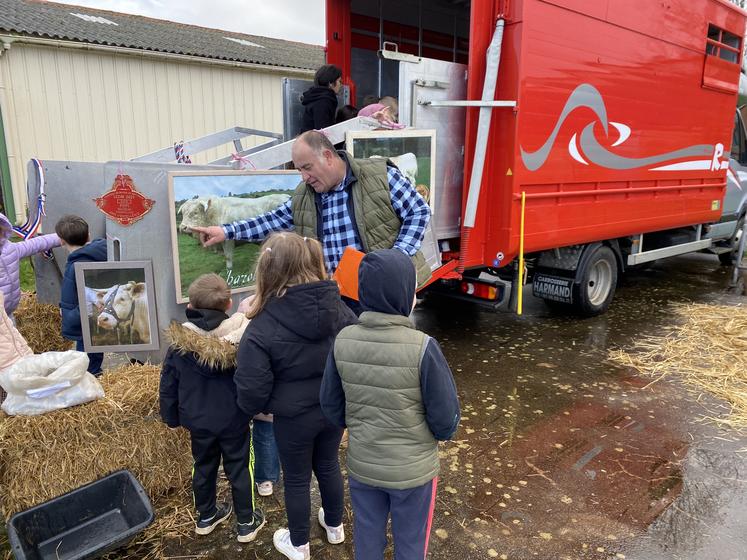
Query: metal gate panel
(437, 80)
(293, 89)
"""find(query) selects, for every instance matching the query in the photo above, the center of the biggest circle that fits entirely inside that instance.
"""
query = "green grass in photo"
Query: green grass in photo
(28, 280)
(194, 260)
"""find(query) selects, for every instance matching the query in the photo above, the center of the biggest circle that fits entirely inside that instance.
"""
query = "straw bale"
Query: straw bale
(40, 324)
(707, 349)
(48, 455)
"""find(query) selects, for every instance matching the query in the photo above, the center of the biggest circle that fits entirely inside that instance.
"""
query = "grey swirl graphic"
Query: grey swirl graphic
(588, 96)
(604, 158)
(585, 95)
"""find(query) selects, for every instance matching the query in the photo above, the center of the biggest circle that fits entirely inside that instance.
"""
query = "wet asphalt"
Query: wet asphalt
(561, 454)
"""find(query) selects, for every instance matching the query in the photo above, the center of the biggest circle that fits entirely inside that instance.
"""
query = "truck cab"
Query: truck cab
(727, 231)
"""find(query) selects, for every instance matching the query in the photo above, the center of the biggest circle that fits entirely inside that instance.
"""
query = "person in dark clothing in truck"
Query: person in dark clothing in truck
(320, 100)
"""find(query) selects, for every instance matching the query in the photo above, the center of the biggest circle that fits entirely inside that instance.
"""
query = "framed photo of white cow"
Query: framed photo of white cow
(213, 198)
(413, 151)
(117, 306)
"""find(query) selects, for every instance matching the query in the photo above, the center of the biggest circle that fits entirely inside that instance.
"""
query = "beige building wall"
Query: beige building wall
(63, 103)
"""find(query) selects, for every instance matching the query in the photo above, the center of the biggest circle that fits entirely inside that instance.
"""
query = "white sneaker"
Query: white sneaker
(282, 541)
(335, 535)
(265, 488)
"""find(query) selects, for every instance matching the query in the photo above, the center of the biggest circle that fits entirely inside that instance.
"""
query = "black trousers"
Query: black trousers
(309, 442)
(238, 464)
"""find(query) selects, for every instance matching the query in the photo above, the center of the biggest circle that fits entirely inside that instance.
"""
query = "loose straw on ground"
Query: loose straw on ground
(708, 350)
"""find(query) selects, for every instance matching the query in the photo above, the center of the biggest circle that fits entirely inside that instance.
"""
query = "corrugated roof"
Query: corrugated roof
(57, 21)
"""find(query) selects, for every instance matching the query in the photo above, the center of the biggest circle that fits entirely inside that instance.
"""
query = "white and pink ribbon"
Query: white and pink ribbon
(243, 161)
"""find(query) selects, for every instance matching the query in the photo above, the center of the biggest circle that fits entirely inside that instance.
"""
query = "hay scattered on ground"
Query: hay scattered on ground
(40, 324)
(45, 456)
(708, 350)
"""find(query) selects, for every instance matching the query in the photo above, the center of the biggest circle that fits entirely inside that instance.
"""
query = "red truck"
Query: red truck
(605, 127)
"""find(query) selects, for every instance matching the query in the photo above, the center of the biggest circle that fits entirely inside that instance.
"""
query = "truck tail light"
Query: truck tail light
(479, 290)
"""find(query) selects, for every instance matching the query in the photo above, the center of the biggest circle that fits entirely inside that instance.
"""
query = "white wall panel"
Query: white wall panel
(61, 103)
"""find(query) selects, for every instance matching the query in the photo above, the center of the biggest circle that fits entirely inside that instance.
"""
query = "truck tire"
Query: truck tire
(727, 259)
(598, 280)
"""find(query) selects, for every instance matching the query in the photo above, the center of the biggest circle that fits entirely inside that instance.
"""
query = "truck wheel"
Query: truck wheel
(593, 294)
(727, 259)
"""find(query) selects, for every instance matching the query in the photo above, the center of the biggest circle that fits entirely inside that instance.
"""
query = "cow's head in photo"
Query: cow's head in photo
(194, 213)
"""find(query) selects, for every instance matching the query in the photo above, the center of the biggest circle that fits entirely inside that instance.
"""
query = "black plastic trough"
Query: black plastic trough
(84, 523)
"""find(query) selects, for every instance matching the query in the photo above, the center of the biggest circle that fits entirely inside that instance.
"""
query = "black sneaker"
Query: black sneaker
(206, 526)
(247, 532)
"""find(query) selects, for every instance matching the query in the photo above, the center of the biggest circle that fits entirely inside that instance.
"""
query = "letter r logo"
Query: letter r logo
(718, 151)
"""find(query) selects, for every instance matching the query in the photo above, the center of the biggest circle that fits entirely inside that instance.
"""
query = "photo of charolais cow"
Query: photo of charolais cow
(116, 307)
(201, 199)
(413, 152)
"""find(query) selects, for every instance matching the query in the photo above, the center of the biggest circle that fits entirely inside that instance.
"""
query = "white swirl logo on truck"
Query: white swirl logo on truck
(586, 149)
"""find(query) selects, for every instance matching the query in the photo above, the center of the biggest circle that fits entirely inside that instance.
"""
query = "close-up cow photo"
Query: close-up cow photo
(201, 199)
(117, 306)
(413, 152)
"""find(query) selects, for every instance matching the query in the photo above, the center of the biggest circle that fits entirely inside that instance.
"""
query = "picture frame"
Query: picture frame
(393, 145)
(202, 198)
(413, 151)
(117, 305)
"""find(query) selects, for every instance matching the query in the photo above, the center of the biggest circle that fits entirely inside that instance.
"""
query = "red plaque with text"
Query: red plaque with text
(124, 203)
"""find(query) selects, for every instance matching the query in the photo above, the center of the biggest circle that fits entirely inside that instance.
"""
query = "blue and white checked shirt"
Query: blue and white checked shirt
(338, 231)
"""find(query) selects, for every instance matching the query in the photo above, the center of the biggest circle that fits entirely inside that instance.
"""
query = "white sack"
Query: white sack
(50, 381)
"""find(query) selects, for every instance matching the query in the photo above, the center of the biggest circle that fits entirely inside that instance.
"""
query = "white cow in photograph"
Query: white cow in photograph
(126, 311)
(216, 211)
(408, 165)
(95, 302)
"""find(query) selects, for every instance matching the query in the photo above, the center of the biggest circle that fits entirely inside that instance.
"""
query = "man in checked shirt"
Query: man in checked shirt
(364, 203)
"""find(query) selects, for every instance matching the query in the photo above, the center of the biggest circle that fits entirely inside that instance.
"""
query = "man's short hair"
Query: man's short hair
(317, 141)
(209, 291)
(327, 75)
(72, 229)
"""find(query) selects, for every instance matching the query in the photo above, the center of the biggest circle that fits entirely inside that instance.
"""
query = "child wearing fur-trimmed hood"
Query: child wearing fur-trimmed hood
(197, 392)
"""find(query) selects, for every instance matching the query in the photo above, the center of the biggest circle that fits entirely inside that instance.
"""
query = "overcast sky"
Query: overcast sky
(295, 20)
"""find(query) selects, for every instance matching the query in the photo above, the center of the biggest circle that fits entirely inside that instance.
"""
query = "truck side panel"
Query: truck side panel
(623, 123)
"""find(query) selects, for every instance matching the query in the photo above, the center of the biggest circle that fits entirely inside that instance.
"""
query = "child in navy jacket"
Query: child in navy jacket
(74, 236)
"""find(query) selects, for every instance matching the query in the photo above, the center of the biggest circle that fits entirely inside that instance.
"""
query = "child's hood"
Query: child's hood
(386, 282)
(212, 336)
(5, 230)
(93, 251)
(313, 311)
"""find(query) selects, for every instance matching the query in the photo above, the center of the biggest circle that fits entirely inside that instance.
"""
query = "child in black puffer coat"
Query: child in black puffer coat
(295, 316)
(198, 393)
